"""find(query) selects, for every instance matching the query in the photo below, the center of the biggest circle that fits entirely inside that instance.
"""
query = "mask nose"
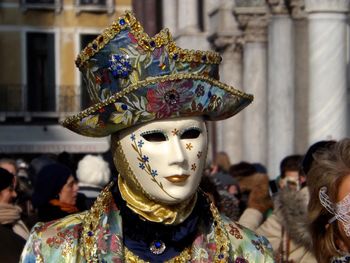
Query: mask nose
(177, 153)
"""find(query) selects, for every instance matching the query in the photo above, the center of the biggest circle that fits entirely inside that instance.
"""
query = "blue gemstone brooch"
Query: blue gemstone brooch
(157, 247)
(120, 66)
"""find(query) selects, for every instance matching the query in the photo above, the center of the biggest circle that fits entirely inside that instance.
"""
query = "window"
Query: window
(41, 4)
(41, 92)
(93, 2)
(85, 102)
(95, 6)
(40, 1)
(200, 13)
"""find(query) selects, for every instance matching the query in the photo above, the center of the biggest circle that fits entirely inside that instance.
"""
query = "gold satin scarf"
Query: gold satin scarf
(153, 211)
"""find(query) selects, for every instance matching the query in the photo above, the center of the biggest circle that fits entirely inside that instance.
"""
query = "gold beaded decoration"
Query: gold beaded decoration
(163, 38)
(90, 223)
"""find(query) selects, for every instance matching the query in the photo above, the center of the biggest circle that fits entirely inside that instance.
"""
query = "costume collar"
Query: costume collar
(139, 235)
(103, 222)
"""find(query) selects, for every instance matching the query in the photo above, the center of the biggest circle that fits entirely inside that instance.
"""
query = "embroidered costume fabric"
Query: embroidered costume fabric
(97, 236)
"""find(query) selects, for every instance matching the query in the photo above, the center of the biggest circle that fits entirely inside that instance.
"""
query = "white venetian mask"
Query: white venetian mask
(167, 157)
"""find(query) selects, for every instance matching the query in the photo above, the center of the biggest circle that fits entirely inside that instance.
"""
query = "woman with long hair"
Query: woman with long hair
(329, 185)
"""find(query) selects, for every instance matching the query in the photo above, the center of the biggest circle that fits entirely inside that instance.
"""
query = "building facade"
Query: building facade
(292, 55)
(39, 83)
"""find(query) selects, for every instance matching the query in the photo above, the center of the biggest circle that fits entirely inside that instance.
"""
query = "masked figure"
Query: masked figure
(154, 99)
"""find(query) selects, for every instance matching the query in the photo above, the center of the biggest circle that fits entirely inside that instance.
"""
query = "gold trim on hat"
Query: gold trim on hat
(149, 81)
(163, 38)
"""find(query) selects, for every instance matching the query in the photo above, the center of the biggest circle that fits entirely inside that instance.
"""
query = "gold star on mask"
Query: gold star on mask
(175, 132)
(189, 146)
(193, 167)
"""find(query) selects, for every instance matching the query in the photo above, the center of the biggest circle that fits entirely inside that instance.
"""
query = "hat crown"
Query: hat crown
(124, 55)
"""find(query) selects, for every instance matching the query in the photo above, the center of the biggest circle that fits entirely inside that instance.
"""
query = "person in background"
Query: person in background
(228, 188)
(37, 164)
(221, 163)
(289, 172)
(9, 165)
(13, 232)
(229, 192)
(209, 187)
(93, 174)
(246, 175)
(24, 191)
(55, 192)
(23, 187)
(329, 184)
(67, 159)
(287, 227)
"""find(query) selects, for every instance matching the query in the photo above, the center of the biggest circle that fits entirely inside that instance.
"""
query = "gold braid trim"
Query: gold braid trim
(149, 81)
(163, 38)
(91, 221)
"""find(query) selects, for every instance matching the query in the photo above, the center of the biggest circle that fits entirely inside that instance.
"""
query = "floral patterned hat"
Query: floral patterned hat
(133, 78)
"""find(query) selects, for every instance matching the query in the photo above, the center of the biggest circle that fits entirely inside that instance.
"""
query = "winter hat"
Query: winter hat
(50, 181)
(6, 179)
(93, 171)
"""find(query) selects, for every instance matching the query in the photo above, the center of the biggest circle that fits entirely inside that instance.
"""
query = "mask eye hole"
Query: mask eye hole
(190, 134)
(154, 137)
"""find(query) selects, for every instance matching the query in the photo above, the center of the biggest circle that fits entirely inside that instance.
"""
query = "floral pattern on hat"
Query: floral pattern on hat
(168, 98)
(160, 100)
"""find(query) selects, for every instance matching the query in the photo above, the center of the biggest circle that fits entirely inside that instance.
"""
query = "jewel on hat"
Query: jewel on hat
(120, 66)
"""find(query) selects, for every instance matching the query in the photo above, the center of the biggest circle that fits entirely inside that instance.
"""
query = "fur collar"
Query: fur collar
(292, 206)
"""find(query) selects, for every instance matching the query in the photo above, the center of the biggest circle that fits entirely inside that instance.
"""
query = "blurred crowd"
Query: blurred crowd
(302, 212)
(49, 187)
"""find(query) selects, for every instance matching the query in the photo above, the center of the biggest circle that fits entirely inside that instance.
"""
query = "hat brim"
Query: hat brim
(164, 97)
